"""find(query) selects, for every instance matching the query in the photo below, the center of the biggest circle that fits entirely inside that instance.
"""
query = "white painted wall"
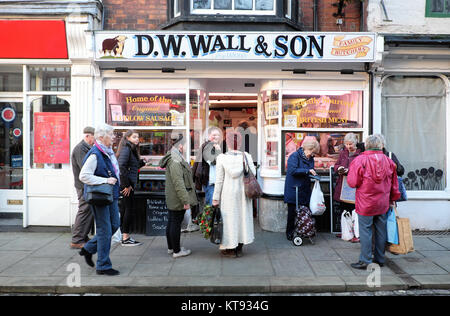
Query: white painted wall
(408, 17)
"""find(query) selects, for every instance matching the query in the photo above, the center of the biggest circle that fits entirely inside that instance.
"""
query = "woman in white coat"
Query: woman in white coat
(236, 208)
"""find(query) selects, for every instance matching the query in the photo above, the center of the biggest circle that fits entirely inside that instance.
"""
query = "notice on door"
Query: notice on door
(51, 137)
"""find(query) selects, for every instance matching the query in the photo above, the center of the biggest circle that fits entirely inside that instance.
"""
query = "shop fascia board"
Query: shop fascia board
(416, 52)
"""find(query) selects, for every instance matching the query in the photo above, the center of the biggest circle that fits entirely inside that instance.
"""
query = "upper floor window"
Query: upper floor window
(176, 8)
(250, 7)
(438, 8)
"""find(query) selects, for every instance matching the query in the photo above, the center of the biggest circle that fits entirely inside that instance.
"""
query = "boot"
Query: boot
(238, 250)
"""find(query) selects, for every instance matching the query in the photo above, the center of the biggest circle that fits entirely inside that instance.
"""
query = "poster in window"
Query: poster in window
(51, 137)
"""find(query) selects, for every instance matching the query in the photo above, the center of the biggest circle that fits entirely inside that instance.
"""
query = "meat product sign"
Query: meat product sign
(212, 46)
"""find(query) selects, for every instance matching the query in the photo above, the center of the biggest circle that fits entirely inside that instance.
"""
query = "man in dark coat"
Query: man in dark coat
(85, 218)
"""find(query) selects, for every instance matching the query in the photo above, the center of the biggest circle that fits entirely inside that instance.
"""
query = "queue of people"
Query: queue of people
(221, 176)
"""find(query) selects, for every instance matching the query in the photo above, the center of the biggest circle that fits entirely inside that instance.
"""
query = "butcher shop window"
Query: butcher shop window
(413, 120)
(438, 9)
(248, 7)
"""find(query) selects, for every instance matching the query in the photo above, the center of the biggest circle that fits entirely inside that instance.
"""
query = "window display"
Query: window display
(331, 144)
(142, 108)
(271, 130)
(153, 145)
(322, 109)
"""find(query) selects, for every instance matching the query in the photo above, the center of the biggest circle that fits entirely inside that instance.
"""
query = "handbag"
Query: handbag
(100, 194)
(405, 239)
(216, 227)
(347, 193)
(251, 185)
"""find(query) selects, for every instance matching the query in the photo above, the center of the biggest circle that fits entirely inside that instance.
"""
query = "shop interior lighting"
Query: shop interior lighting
(232, 101)
(219, 94)
(315, 92)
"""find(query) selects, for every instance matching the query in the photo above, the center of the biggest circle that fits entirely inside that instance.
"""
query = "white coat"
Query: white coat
(236, 208)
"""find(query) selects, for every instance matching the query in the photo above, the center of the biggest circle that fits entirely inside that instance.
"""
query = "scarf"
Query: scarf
(110, 153)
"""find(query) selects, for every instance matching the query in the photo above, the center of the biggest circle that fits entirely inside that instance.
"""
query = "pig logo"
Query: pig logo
(113, 47)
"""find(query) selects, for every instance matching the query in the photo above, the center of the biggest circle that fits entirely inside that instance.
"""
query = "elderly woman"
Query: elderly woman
(375, 178)
(341, 166)
(236, 207)
(299, 167)
(101, 166)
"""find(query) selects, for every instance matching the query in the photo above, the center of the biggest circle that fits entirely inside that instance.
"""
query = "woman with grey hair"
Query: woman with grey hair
(346, 156)
(101, 166)
(375, 178)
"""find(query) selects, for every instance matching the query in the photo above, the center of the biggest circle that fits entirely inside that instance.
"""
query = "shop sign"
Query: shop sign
(213, 46)
(8, 114)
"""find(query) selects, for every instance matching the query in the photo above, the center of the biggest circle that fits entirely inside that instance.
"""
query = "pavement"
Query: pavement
(43, 263)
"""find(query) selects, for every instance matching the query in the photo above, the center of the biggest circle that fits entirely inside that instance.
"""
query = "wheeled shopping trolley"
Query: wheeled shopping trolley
(304, 223)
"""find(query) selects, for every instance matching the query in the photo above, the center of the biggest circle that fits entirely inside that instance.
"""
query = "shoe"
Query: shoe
(130, 242)
(228, 253)
(110, 272)
(359, 265)
(182, 253)
(76, 246)
(170, 251)
(354, 240)
(87, 257)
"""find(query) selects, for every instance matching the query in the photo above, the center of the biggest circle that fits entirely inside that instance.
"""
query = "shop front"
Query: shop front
(276, 89)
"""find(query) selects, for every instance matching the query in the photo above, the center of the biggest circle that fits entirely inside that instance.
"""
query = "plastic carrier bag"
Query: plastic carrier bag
(347, 226)
(317, 202)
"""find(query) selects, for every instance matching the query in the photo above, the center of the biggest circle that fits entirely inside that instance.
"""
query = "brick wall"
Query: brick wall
(326, 20)
(136, 15)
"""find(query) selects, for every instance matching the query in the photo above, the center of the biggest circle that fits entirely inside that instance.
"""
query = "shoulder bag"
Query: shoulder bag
(401, 186)
(251, 185)
(99, 195)
(216, 227)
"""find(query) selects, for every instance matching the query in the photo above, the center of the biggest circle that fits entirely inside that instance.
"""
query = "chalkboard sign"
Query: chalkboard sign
(157, 216)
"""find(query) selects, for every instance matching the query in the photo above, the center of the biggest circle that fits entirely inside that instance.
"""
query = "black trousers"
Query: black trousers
(127, 213)
(173, 230)
(290, 226)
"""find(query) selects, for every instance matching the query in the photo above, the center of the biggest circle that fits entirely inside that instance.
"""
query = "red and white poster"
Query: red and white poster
(51, 137)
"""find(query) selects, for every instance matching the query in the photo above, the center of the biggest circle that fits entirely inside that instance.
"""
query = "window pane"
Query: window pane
(11, 147)
(437, 5)
(447, 6)
(222, 4)
(271, 130)
(322, 109)
(11, 79)
(54, 145)
(264, 5)
(49, 79)
(141, 108)
(243, 4)
(202, 4)
(415, 129)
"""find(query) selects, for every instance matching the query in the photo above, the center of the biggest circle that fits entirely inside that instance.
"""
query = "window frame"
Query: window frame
(233, 11)
(430, 14)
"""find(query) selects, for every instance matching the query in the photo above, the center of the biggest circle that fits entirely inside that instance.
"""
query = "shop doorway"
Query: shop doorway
(238, 111)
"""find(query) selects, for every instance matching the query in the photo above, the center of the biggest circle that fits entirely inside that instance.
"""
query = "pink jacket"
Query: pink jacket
(374, 176)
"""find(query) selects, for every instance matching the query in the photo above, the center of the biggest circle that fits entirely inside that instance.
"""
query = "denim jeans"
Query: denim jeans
(365, 231)
(209, 191)
(106, 223)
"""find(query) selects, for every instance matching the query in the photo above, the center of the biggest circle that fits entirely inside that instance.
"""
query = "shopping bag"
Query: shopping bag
(391, 227)
(217, 227)
(317, 201)
(117, 237)
(347, 226)
(405, 239)
(355, 224)
(205, 221)
(347, 193)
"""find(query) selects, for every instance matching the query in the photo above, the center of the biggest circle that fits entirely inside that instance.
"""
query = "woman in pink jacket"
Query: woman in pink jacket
(374, 176)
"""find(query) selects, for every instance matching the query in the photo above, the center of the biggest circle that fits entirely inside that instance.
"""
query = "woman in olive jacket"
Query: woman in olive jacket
(180, 194)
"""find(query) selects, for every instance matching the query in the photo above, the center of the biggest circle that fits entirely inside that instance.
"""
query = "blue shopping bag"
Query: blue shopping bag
(392, 229)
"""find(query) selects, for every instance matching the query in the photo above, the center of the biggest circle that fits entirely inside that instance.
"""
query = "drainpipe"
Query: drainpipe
(361, 17)
(315, 16)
